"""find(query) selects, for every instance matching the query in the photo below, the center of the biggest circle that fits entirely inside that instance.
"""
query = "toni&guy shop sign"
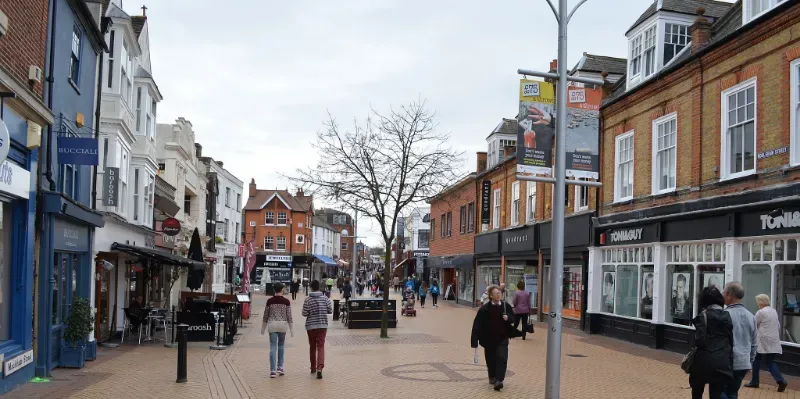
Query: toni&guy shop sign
(766, 222)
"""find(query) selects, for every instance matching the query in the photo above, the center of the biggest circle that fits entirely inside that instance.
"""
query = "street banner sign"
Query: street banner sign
(536, 129)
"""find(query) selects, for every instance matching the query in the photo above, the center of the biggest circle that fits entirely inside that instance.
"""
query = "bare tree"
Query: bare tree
(383, 165)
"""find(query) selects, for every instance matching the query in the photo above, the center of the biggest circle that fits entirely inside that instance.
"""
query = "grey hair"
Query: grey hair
(762, 299)
(735, 289)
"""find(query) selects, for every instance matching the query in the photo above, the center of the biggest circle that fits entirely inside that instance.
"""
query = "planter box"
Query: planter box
(73, 357)
(91, 350)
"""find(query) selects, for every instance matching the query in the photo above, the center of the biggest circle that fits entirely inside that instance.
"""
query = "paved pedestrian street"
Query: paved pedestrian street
(427, 356)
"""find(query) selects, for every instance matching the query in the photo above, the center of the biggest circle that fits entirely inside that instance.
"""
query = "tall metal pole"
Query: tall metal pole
(355, 250)
(553, 376)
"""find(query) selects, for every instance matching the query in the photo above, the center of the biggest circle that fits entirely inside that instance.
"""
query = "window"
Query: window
(149, 196)
(685, 263)
(161, 169)
(136, 194)
(281, 243)
(627, 282)
(623, 179)
(581, 197)
(110, 59)
(339, 219)
(75, 56)
(443, 226)
(795, 111)
(433, 229)
(462, 220)
(650, 51)
(237, 232)
(755, 8)
(739, 130)
(515, 203)
(281, 218)
(423, 240)
(496, 214)
(636, 55)
(269, 217)
(239, 204)
(153, 105)
(470, 217)
(105, 152)
(449, 224)
(665, 132)
(300, 239)
(123, 182)
(676, 38)
(138, 109)
(344, 246)
(269, 241)
(228, 197)
(187, 204)
(531, 201)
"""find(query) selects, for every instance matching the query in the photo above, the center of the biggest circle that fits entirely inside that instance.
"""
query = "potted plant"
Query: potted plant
(78, 326)
(218, 239)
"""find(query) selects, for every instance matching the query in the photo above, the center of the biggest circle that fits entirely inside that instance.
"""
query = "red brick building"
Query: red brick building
(700, 153)
(281, 224)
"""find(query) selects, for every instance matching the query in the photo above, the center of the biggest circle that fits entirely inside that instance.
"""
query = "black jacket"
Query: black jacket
(713, 338)
(481, 329)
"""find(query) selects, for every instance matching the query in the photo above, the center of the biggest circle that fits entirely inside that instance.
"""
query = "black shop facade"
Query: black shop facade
(647, 267)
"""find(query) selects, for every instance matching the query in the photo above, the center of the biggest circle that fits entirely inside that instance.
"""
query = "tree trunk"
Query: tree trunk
(387, 272)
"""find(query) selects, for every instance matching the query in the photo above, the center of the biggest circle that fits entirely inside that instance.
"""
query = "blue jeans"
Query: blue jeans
(276, 340)
(771, 366)
(732, 390)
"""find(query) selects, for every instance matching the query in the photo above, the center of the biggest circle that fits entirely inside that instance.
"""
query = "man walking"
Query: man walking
(316, 309)
(744, 337)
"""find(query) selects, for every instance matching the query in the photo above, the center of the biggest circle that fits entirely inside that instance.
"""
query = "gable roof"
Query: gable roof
(601, 63)
(137, 22)
(506, 126)
(263, 197)
(714, 9)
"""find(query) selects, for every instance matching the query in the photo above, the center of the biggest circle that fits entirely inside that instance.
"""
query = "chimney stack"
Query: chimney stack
(607, 87)
(481, 166)
(299, 192)
(553, 66)
(701, 31)
(509, 151)
(252, 188)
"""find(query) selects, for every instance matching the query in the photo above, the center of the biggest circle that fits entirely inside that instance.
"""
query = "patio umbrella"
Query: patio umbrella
(196, 276)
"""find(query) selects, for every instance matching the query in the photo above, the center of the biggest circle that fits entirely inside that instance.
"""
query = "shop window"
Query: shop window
(609, 280)
(757, 279)
(647, 277)
(488, 275)
(516, 273)
(571, 291)
(5, 271)
(786, 300)
(627, 300)
(466, 285)
(680, 282)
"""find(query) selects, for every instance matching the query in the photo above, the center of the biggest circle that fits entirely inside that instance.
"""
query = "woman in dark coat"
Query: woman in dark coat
(294, 287)
(492, 328)
(713, 338)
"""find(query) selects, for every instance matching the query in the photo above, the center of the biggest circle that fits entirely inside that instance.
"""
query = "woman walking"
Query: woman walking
(713, 340)
(423, 292)
(492, 328)
(294, 287)
(277, 321)
(316, 309)
(769, 343)
(522, 307)
(435, 292)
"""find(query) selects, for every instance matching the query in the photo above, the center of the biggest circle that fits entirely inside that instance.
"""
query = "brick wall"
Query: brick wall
(452, 201)
(26, 42)
(695, 93)
(290, 231)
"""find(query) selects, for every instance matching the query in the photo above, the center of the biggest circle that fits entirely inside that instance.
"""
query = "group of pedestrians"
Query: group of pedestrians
(729, 341)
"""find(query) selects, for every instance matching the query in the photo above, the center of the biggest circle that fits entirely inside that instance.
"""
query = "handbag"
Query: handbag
(688, 359)
(529, 326)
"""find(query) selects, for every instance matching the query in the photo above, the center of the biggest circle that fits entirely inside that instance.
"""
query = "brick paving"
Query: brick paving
(428, 356)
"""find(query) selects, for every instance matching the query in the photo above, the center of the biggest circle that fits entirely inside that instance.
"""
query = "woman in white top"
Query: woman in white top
(768, 336)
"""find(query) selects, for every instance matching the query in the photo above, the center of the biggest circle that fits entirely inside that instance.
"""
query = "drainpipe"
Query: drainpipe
(49, 132)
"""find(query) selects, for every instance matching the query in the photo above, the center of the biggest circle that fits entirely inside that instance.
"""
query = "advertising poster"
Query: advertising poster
(608, 292)
(532, 286)
(583, 122)
(536, 129)
(681, 300)
(714, 280)
(647, 295)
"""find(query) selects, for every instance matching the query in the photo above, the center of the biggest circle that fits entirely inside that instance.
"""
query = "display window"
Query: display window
(515, 272)
(466, 284)
(772, 267)
(488, 275)
(690, 268)
(571, 298)
(627, 282)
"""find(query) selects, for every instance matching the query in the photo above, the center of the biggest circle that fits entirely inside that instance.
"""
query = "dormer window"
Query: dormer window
(676, 38)
(650, 51)
(636, 56)
(755, 8)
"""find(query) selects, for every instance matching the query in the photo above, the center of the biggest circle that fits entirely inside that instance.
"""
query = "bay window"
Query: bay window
(665, 132)
(623, 179)
(739, 130)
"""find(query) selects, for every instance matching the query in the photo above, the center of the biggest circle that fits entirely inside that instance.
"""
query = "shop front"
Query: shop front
(521, 259)
(489, 263)
(271, 269)
(645, 276)
(577, 238)
(421, 265)
(70, 272)
(321, 265)
(451, 268)
(301, 266)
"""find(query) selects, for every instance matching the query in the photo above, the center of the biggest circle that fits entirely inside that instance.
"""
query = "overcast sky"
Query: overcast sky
(256, 77)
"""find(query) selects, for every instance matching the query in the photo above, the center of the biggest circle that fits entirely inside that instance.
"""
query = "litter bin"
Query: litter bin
(336, 309)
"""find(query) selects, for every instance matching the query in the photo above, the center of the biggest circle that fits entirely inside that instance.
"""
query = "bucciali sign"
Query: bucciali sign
(626, 235)
(787, 220)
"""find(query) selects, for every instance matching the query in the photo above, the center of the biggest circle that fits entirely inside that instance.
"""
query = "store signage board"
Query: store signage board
(15, 180)
(70, 237)
(77, 150)
(536, 126)
(583, 133)
(17, 363)
(111, 186)
(765, 222)
(629, 235)
(486, 194)
(5, 141)
(278, 258)
(773, 152)
(518, 240)
(171, 226)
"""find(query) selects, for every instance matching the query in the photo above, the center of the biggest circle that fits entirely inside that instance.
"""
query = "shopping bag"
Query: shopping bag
(529, 328)
(475, 357)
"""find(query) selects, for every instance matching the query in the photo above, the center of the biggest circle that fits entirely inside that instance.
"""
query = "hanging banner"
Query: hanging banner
(536, 129)
(77, 150)
(486, 206)
(583, 122)
(111, 186)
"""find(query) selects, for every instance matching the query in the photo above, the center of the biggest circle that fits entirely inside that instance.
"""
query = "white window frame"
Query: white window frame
(496, 205)
(278, 244)
(617, 140)
(650, 35)
(724, 156)
(581, 197)
(515, 203)
(343, 246)
(530, 202)
(285, 217)
(794, 110)
(747, 15)
(655, 175)
(635, 50)
(685, 46)
(267, 217)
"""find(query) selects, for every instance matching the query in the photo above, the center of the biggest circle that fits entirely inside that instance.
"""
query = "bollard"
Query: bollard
(182, 328)
(173, 324)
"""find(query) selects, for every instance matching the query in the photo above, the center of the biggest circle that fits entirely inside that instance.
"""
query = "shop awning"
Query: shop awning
(403, 263)
(326, 260)
(166, 205)
(165, 258)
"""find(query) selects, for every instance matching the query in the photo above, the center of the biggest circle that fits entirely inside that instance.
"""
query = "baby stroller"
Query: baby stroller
(408, 304)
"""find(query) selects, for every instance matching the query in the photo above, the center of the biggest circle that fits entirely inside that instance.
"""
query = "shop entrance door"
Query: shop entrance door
(66, 277)
(103, 283)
